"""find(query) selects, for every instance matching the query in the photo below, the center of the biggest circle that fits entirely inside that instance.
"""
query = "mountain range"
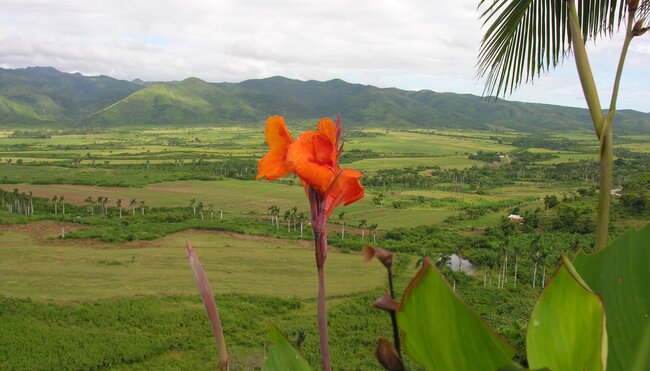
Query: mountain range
(44, 96)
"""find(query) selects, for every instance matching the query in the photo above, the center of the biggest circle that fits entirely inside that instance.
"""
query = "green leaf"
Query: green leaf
(526, 38)
(280, 355)
(620, 274)
(440, 332)
(567, 328)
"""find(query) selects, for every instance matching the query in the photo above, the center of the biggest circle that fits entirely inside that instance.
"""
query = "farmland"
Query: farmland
(103, 273)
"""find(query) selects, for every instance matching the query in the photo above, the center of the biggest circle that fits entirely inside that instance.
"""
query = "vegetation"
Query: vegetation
(107, 102)
(100, 214)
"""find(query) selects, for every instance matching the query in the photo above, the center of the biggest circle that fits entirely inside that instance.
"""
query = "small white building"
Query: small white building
(516, 218)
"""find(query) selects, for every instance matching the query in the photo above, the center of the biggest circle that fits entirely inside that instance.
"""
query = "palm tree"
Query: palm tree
(301, 219)
(133, 205)
(294, 213)
(118, 203)
(287, 218)
(90, 205)
(61, 200)
(100, 202)
(211, 211)
(373, 229)
(31, 203)
(105, 205)
(274, 211)
(527, 37)
(483, 260)
(342, 219)
(536, 256)
(363, 225)
(55, 200)
(199, 206)
(193, 205)
(142, 206)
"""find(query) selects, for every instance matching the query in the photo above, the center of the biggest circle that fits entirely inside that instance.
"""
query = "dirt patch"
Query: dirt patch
(42, 229)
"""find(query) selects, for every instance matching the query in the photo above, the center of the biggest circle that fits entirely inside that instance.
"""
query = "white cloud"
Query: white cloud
(412, 44)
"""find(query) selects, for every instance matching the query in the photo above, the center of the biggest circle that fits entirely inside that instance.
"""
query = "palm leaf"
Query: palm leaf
(527, 37)
(643, 12)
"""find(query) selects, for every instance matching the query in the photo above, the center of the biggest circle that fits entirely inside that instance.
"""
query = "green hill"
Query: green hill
(40, 95)
(44, 95)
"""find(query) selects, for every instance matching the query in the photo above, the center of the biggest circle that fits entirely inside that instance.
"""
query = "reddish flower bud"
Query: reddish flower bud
(387, 355)
(384, 256)
(387, 303)
(638, 29)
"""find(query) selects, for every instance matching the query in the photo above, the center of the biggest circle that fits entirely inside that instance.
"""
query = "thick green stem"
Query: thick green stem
(605, 184)
(584, 70)
(607, 149)
(602, 125)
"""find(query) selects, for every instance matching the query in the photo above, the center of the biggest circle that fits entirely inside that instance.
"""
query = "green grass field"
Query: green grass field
(82, 303)
(87, 270)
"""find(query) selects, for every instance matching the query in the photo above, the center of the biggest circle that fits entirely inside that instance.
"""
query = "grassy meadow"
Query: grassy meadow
(117, 293)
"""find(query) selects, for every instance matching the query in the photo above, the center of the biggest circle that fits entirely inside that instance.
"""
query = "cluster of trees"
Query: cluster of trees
(506, 255)
(200, 208)
(471, 212)
(30, 134)
(17, 202)
(291, 216)
(358, 154)
(523, 167)
(486, 156)
(636, 203)
(544, 141)
(295, 221)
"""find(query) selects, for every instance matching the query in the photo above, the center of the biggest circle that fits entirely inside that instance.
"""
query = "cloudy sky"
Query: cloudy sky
(410, 44)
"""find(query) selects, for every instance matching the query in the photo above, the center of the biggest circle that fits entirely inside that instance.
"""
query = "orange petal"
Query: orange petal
(277, 134)
(327, 128)
(347, 190)
(317, 176)
(304, 157)
(323, 150)
(278, 138)
(273, 165)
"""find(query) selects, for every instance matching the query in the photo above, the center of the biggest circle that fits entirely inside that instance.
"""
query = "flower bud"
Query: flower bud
(387, 355)
(638, 28)
(387, 303)
(384, 256)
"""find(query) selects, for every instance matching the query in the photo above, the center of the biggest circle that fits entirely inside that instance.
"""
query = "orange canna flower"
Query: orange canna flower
(313, 157)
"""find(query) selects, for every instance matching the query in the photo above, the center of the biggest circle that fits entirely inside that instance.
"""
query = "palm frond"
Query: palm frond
(527, 37)
(643, 11)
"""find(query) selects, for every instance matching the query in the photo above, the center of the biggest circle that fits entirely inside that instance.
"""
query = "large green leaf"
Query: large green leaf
(526, 38)
(280, 355)
(440, 332)
(620, 274)
(567, 328)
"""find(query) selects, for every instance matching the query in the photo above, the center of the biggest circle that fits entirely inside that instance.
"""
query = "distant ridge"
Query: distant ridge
(38, 96)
